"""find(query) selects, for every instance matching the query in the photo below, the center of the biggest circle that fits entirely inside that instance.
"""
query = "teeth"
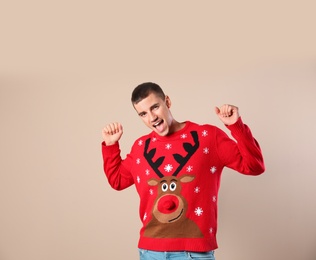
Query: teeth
(157, 123)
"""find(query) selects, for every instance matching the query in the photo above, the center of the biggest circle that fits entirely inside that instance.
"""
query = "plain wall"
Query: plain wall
(67, 68)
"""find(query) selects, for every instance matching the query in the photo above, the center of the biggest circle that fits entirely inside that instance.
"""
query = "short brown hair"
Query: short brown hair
(143, 90)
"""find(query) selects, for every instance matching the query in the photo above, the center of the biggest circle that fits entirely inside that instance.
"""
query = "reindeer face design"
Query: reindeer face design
(169, 210)
(170, 204)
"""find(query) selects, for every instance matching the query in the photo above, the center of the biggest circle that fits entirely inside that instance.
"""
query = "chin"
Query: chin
(164, 133)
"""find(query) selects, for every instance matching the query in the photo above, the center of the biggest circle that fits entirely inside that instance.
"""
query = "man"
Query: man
(176, 169)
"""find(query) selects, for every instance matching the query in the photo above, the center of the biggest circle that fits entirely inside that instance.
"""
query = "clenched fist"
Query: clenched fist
(228, 114)
(112, 133)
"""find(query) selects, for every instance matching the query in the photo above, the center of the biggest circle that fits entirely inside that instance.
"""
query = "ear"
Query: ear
(152, 182)
(187, 178)
(168, 101)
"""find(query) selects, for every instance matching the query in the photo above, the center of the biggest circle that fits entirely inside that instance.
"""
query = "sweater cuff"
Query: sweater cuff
(237, 127)
(110, 148)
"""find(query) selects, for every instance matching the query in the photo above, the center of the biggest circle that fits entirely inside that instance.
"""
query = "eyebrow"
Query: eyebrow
(164, 181)
(151, 107)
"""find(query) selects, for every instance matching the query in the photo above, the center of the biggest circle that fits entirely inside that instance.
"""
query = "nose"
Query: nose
(168, 204)
(152, 117)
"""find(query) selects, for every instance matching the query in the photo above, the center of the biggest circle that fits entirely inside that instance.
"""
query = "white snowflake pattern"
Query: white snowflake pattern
(204, 133)
(213, 169)
(138, 179)
(197, 189)
(211, 230)
(183, 136)
(189, 168)
(168, 146)
(214, 198)
(145, 216)
(206, 150)
(140, 142)
(151, 192)
(154, 139)
(137, 161)
(198, 211)
(147, 172)
(168, 168)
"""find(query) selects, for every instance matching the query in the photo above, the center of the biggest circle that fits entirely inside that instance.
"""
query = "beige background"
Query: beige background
(68, 67)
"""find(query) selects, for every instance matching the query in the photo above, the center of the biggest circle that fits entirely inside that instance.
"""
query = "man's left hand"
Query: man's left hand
(228, 114)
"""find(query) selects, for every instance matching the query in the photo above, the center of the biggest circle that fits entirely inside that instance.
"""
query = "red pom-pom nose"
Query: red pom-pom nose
(168, 204)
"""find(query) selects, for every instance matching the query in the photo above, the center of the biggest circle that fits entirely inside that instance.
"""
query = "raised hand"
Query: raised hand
(228, 114)
(112, 133)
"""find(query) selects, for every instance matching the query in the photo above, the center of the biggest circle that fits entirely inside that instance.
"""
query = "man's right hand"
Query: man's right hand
(112, 133)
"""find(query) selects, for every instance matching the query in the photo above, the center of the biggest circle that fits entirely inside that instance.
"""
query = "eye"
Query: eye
(173, 186)
(155, 107)
(164, 187)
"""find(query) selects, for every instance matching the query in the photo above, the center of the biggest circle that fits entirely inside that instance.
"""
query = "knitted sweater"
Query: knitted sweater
(177, 178)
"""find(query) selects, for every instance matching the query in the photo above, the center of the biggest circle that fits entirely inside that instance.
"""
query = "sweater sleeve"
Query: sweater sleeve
(244, 155)
(116, 169)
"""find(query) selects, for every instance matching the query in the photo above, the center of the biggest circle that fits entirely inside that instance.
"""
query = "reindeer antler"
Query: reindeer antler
(190, 149)
(149, 157)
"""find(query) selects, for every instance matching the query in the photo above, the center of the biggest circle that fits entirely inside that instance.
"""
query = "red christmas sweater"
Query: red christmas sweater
(177, 178)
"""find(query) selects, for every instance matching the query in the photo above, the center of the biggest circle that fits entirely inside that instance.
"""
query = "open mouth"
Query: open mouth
(158, 123)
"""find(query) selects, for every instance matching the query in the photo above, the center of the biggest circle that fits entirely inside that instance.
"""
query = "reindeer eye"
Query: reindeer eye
(164, 187)
(173, 186)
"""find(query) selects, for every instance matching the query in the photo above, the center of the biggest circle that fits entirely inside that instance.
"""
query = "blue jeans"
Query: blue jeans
(181, 255)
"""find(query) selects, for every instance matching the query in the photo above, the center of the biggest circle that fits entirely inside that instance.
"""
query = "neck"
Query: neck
(176, 126)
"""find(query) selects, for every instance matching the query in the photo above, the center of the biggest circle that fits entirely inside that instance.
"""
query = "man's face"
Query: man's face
(155, 113)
